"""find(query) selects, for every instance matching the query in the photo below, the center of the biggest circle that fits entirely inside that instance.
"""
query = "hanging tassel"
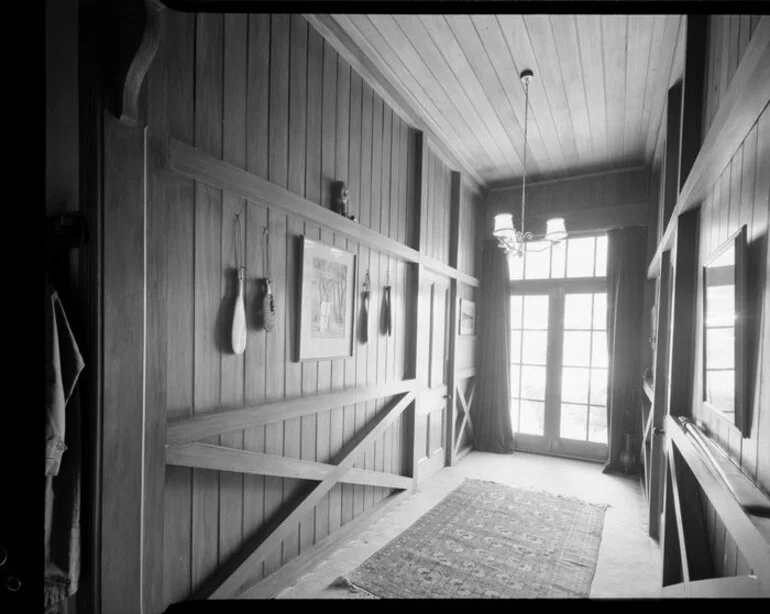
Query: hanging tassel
(363, 324)
(268, 300)
(385, 323)
(268, 308)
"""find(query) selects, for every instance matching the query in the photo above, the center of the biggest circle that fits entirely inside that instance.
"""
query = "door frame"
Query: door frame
(550, 443)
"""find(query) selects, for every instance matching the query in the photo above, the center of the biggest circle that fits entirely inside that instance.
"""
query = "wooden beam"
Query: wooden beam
(695, 56)
(750, 533)
(466, 406)
(439, 267)
(287, 575)
(684, 299)
(659, 408)
(676, 501)
(219, 458)
(191, 429)
(399, 99)
(744, 101)
(227, 582)
(421, 341)
(671, 156)
(454, 302)
(196, 164)
(123, 322)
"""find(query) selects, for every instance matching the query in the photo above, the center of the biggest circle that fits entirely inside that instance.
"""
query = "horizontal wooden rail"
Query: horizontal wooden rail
(219, 458)
(192, 429)
(750, 533)
(746, 98)
(190, 161)
(743, 489)
(465, 373)
(228, 581)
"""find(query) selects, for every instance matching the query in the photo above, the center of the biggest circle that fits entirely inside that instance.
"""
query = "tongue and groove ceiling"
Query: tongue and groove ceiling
(595, 101)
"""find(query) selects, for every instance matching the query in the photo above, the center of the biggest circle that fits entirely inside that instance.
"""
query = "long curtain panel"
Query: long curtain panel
(626, 273)
(492, 429)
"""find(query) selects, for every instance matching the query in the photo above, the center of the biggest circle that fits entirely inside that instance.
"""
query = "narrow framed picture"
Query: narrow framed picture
(326, 294)
(467, 324)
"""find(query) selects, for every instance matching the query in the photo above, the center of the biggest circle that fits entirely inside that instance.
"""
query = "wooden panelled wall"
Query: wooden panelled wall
(739, 195)
(267, 94)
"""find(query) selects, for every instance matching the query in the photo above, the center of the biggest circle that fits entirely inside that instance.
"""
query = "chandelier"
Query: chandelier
(514, 241)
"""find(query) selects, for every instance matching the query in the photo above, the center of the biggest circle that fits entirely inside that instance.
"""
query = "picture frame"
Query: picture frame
(467, 314)
(725, 326)
(326, 307)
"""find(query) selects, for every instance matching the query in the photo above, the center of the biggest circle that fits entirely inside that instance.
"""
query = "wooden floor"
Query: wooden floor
(629, 561)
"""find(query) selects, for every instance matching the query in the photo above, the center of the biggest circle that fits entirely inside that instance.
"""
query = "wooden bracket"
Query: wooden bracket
(136, 30)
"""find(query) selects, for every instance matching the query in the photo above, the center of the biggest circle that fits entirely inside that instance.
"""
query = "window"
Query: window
(584, 368)
(559, 355)
(577, 257)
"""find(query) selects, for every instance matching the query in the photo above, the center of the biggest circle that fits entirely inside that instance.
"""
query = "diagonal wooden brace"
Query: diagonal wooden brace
(228, 581)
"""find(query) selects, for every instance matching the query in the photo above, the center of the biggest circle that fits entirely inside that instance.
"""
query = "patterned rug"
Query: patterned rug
(486, 539)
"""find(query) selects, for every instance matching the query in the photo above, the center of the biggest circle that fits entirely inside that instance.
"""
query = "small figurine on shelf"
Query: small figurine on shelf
(341, 197)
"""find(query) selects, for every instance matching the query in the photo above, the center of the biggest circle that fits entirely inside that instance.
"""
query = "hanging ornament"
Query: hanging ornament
(363, 328)
(385, 323)
(238, 332)
(268, 300)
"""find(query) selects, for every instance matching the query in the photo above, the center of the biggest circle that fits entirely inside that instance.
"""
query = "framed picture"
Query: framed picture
(467, 317)
(327, 280)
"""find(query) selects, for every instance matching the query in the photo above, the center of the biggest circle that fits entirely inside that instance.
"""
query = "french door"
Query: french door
(559, 368)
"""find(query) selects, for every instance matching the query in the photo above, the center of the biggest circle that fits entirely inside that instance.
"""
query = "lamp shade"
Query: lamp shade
(555, 229)
(503, 224)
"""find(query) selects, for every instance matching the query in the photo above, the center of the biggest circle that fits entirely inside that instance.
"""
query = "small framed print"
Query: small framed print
(327, 280)
(467, 324)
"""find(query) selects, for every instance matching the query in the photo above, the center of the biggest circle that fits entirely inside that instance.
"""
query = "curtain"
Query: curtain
(490, 414)
(626, 274)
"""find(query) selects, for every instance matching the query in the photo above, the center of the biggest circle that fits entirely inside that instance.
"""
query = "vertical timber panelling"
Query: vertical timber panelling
(266, 93)
(179, 53)
(233, 255)
(738, 196)
(257, 108)
(123, 409)
(207, 280)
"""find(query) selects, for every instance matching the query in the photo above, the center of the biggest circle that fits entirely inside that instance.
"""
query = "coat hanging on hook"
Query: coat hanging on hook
(268, 300)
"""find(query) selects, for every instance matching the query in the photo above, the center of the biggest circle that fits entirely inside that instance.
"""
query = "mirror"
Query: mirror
(724, 320)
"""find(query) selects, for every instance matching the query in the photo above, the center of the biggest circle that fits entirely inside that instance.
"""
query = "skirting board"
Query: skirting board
(291, 572)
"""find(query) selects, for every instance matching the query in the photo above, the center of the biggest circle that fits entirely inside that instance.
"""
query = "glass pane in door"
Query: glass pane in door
(529, 349)
(583, 415)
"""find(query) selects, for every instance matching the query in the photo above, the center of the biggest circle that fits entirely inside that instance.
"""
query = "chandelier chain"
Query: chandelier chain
(524, 162)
